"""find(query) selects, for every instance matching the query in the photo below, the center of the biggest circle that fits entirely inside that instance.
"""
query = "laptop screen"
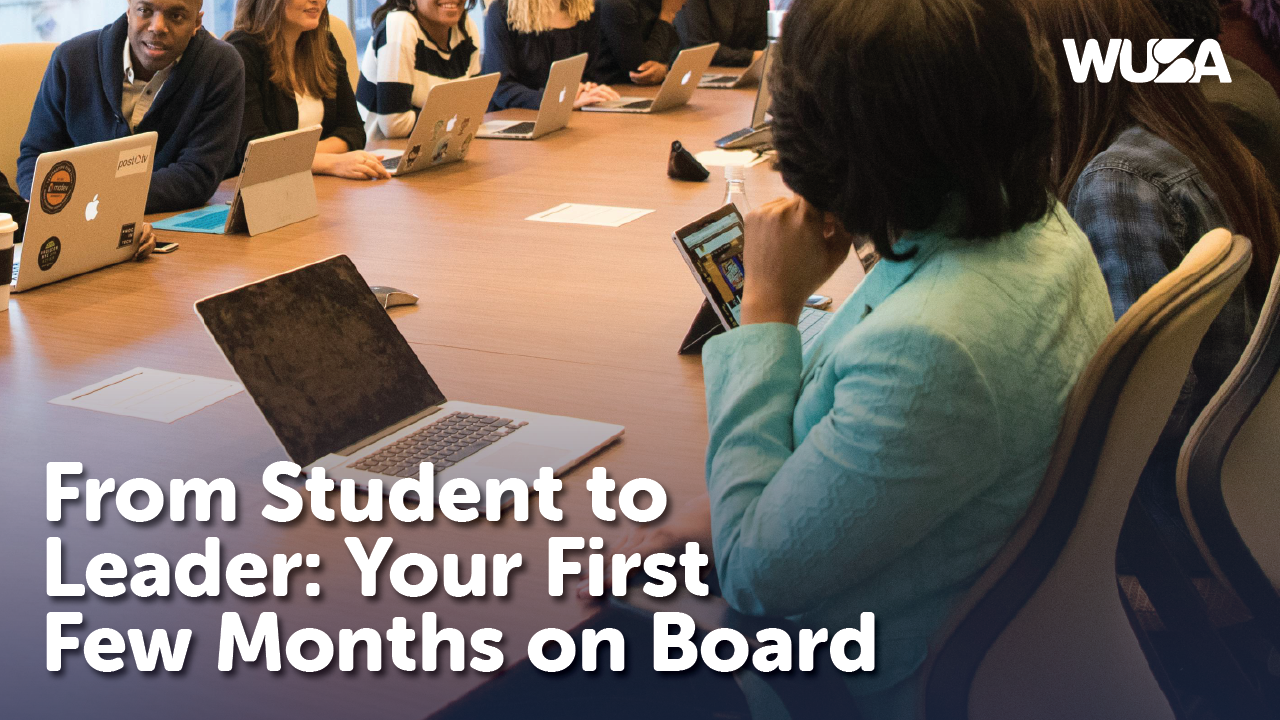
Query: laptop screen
(760, 112)
(714, 249)
(321, 358)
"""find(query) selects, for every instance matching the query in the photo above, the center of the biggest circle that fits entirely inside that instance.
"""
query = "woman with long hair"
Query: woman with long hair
(523, 37)
(1146, 169)
(296, 77)
(416, 45)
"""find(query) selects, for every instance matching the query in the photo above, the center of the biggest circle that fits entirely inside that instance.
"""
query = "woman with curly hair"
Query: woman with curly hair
(523, 37)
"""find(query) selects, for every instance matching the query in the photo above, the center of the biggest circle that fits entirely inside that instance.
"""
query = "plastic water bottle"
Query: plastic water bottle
(735, 180)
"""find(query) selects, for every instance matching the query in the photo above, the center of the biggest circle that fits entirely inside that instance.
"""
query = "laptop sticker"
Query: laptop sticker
(132, 162)
(126, 235)
(57, 188)
(49, 253)
(439, 128)
(412, 156)
(441, 150)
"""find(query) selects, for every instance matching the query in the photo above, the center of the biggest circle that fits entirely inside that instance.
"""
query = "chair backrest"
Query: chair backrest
(24, 65)
(1229, 474)
(1044, 633)
(347, 44)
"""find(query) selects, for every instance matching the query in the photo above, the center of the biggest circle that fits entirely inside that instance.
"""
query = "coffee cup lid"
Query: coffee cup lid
(7, 225)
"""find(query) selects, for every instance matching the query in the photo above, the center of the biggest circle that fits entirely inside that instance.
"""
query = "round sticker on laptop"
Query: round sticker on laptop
(58, 185)
(49, 253)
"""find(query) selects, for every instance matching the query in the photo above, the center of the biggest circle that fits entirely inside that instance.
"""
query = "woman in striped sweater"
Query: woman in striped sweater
(416, 45)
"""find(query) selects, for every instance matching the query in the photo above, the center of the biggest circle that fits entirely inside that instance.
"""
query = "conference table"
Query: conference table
(566, 319)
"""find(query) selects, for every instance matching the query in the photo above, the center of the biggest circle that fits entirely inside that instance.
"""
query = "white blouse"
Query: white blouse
(310, 110)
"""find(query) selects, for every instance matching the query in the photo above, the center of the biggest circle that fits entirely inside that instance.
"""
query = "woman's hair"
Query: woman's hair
(530, 16)
(391, 6)
(886, 112)
(314, 71)
(1093, 113)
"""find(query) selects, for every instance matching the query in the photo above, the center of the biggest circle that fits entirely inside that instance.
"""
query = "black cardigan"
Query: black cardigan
(269, 110)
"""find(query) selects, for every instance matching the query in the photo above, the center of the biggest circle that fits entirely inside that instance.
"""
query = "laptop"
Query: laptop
(556, 107)
(446, 125)
(275, 188)
(759, 132)
(712, 247)
(86, 210)
(365, 407)
(749, 77)
(676, 89)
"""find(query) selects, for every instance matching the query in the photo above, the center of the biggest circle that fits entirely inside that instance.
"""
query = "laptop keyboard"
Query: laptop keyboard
(391, 163)
(445, 442)
(811, 323)
(638, 105)
(517, 129)
(207, 221)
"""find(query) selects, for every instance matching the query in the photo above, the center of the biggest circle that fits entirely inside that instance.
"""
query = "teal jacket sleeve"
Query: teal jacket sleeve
(911, 437)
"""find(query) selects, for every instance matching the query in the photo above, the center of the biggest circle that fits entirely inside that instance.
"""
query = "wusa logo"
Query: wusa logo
(1209, 61)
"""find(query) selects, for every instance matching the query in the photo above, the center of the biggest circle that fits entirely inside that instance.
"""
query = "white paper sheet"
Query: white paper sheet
(579, 214)
(724, 158)
(151, 394)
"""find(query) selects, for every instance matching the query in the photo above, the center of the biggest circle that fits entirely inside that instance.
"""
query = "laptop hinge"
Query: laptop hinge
(362, 444)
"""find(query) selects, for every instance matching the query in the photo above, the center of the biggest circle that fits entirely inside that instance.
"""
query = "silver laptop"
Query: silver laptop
(446, 125)
(676, 89)
(86, 210)
(749, 77)
(275, 188)
(365, 407)
(760, 131)
(712, 248)
(554, 111)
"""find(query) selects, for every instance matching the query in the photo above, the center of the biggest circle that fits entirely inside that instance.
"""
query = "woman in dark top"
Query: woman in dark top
(296, 77)
(523, 37)
(740, 26)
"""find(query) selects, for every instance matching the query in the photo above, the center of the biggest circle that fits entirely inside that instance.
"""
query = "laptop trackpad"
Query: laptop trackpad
(517, 459)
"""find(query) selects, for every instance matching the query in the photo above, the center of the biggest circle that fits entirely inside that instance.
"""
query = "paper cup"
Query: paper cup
(775, 23)
(7, 228)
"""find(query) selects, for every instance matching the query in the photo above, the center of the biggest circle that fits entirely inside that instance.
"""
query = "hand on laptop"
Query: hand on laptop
(591, 93)
(789, 248)
(146, 242)
(690, 523)
(354, 165)
(650, 72)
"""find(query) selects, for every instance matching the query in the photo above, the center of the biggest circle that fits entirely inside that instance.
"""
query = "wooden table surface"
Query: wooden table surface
(564, 319)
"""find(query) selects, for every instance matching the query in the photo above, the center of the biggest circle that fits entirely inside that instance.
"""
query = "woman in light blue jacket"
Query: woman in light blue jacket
(882, 469)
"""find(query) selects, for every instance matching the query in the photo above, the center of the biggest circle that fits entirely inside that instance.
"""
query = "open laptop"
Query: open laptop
(759, 132)
(712, 247)
(275, 188)
(446, 124)
(86, 210)
(364, 406)
(554, 111)
(749, 77)
(676, 89)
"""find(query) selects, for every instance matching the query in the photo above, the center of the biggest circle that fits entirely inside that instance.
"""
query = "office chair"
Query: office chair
(1045, 633)
(24, 65)
(347, 44)
(1229, 475)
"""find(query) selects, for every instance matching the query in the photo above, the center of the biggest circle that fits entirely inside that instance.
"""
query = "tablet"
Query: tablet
(712, 246)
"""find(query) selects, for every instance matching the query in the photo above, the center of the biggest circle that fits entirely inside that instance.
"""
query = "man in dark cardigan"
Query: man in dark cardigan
(157, 69)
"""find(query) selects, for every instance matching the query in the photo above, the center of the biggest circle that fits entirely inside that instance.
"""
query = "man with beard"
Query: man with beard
(157, 69)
